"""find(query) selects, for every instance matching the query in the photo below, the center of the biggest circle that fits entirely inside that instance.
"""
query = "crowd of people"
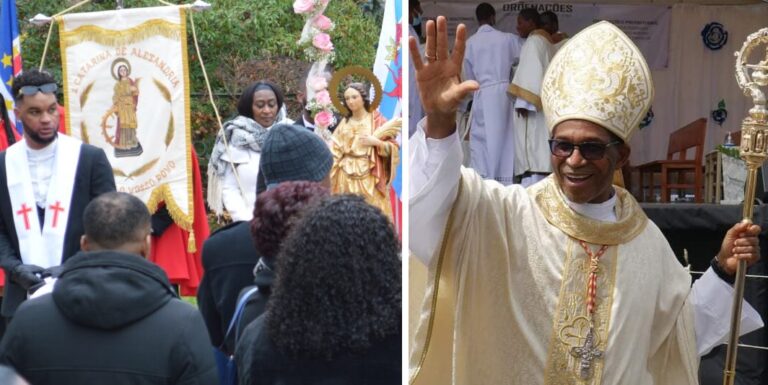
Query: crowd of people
(315, 265)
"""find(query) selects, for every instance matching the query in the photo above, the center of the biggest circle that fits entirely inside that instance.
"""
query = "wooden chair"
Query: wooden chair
(680, 141)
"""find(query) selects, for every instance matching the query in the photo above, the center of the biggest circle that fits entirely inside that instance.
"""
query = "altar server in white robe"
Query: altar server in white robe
(489, 57)
(46, 180)
(531, 155)
(567, 281)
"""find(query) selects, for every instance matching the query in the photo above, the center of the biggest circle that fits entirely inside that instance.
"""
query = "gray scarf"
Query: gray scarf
(240, 132)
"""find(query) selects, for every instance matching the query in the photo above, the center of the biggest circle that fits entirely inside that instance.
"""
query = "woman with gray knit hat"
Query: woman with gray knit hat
(234, 163)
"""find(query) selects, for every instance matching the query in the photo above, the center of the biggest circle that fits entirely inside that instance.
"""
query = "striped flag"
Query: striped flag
(387, 69)
(10, 55)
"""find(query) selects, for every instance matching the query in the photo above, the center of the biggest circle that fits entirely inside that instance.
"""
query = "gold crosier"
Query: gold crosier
(754, 151)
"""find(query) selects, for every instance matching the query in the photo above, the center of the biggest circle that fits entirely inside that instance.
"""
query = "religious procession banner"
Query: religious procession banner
(126, 91)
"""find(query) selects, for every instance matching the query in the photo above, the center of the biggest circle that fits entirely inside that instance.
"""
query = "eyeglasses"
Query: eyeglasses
(47, 88)
(588, 150)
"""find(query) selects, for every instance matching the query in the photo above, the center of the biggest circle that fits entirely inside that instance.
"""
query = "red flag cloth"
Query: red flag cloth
(62, 120)
(397, 212)
(3, 139)
(169, 251)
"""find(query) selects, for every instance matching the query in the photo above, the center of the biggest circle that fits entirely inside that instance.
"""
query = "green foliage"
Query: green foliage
(733, 152)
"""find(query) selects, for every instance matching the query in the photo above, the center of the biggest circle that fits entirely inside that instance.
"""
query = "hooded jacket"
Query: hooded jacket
(113, 318)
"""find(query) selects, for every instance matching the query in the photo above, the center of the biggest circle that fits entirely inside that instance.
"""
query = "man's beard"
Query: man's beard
(40, 140)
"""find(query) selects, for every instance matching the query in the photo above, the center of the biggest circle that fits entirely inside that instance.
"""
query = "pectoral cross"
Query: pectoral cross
(56, 209)
(25, 212)
(587, 353)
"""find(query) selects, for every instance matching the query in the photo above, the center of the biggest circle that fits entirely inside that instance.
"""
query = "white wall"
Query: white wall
(697, 78)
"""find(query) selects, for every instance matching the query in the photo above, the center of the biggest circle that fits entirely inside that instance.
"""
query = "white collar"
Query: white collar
(306, 122)
(486, 28)
(599, 211)
(50, 149)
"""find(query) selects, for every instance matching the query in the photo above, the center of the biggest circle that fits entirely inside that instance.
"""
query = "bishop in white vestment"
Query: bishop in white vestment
(566, 282)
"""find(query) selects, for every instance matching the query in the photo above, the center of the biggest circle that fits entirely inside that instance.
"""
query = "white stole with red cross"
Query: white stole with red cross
(42, 248)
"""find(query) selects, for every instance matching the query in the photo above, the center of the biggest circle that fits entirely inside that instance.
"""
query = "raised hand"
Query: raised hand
(438, 80)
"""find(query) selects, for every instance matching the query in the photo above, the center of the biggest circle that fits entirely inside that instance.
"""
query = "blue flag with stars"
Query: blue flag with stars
(10, 55)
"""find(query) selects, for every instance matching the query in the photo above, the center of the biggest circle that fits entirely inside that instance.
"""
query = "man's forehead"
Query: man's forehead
(39, 100)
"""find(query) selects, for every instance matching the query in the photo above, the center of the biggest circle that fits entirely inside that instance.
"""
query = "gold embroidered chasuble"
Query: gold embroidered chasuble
(505, 299)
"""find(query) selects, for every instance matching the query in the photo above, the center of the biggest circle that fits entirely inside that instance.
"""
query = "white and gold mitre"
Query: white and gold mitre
(599, 75)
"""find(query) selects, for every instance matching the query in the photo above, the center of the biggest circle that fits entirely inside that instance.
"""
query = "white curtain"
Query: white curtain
(697, 78)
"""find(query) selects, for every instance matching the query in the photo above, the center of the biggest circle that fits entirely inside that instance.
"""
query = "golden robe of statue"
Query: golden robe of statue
(124, 100)
(361, 169)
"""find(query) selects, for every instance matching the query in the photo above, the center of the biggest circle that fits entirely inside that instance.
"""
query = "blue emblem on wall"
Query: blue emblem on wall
(720, 114)
(714, 35)
(648, 119)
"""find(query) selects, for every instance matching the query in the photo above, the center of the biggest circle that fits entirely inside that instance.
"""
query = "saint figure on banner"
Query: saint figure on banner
(125, 98)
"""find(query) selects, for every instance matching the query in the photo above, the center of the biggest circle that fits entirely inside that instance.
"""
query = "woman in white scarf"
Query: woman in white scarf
(234, 162)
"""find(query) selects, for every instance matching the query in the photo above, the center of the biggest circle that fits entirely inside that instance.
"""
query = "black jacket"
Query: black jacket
(113, 318)
(92, 178)
(259, 362)
(229, 256)
(256, 304)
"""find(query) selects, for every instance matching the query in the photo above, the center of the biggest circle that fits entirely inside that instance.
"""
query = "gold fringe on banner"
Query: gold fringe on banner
(108, 37)
(191, 243)
(163, 193)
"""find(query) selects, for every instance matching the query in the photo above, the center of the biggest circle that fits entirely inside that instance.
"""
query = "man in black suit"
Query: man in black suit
(46, 180)
(290, 153)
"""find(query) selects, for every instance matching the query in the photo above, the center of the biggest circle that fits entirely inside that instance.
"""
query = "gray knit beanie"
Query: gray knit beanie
(293, 153)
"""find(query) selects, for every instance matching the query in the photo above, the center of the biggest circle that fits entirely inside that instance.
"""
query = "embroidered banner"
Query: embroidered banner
(126, 90)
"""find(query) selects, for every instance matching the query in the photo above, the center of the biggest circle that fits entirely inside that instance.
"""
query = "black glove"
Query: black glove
(161, 220)
(26, 275)
(53, 271)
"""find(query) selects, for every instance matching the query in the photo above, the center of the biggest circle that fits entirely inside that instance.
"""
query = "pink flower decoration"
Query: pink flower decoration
(323, 98)
(318, 83)
(303, 6)
(322, 41)
(323, 119)
(323, 23)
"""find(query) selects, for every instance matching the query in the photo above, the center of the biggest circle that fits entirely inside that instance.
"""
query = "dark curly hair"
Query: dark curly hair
(33, 77)
(363, 90)
(338, 281)
(276, 212)
(245, 103)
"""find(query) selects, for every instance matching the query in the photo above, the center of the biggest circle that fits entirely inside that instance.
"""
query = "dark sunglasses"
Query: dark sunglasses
(588, 150)
(47, 88)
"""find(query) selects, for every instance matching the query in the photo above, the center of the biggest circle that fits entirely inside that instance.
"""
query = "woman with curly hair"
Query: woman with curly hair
(276, 212)
(335, 311)
(234, 163)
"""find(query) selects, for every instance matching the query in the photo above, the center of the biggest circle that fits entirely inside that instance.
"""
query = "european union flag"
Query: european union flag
(10, 55)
